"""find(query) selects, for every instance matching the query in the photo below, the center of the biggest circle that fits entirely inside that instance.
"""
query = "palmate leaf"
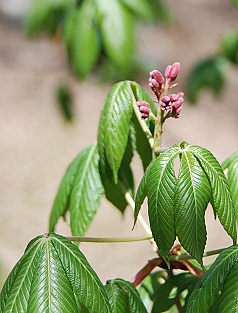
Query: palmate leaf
(161, 183)
(192, 195)
(80, 192)
(219, 276)
(221, 196)
(53, 276)
(132, 297)
(232, 165)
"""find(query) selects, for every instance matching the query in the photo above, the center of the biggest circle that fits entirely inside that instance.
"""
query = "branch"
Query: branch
(107, 239)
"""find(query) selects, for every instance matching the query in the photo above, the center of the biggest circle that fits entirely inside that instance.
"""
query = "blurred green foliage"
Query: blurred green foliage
(95, 33)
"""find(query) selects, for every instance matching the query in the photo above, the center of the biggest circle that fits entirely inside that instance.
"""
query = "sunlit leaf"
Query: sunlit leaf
(53, 276)
(161, 183)
(80, 192)
(114, 127)
(231, 164)
(192, 195)
(142, 8)
(221, 196)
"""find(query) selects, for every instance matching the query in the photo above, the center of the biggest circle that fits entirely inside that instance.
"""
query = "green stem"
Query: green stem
(189, 257)
(158, 132)
(107, 239)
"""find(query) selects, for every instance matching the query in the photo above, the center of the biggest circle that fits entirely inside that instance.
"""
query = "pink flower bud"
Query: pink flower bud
(144, 108)
(174, 70)
(167, 71)
(157, 76)
(165, 99)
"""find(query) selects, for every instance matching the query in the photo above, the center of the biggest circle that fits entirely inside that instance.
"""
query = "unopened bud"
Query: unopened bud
(157, 76)
(171, 72)
(144, 108)
(174, 70)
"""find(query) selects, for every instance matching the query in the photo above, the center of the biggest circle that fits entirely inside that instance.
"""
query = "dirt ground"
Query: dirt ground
(36, 145)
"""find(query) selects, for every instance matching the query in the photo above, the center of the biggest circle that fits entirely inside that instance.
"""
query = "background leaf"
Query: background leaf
(80, 192)
(192, 196)
(207, 288)
(116, 19)
(141, 8)
(229, 45)
(161, 182)
(208, 73)
(46, 16)
(53, 276)
(221, 196)
(85, 42)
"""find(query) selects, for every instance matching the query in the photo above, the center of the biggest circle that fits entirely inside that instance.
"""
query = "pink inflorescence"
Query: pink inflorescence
(172, 104)
(144, 108)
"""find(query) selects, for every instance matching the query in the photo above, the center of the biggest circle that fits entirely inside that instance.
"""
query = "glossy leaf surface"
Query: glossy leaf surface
(53, 276)
(218, 277)
(161, 183)
(80, 192)
(221, 196)
(132, 297)
(192, 196)
(114, 127)
(232, 165)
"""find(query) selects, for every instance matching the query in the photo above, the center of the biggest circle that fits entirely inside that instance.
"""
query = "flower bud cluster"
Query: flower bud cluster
(144, 108)
(158, 83)
(172, 104)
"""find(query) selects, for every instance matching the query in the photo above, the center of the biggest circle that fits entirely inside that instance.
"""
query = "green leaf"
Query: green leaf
(85, 49)
(221, 196)
(117, 298)
(116, 19)
(53, 276)
(133, 298)
(114, 127)
(207, 288)
(161, 183)
(229, 45)
(228, 301)
(208, 73)
(140, 196)
(140, 8)
(192, 195)
(232, 164)
(46, 15)
(80, 192)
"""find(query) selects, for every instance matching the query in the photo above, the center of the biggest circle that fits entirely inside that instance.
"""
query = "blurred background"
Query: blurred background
(37, 143)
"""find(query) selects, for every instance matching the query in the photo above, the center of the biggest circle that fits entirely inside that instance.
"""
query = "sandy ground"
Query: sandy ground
(37, 145)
